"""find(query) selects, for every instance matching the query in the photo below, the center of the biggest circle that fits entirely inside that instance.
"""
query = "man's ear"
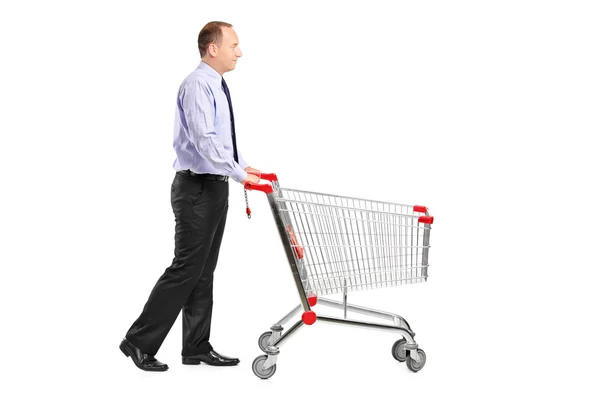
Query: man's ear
(213, 49)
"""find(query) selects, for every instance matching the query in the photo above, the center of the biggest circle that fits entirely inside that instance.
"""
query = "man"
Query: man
(205, 145)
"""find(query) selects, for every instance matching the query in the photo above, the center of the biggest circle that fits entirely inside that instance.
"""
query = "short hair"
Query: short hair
(211, 33)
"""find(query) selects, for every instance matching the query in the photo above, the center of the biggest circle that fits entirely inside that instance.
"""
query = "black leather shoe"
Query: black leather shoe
(142, 360)
(210, 358)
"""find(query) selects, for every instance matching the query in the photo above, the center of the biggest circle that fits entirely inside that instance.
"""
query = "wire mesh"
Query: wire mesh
(344, 243)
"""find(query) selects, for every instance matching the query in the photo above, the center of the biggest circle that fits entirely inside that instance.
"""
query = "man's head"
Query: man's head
(219, 46)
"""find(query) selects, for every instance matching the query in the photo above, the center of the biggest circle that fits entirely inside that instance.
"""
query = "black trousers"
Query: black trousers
(200, 207)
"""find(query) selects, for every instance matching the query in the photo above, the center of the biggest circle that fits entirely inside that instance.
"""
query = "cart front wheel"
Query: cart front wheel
(398, 351)
(257, 368)
(263, 341)
(416, 366)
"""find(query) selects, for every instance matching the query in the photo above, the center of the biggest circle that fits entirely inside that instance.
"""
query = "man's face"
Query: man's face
(229, 50)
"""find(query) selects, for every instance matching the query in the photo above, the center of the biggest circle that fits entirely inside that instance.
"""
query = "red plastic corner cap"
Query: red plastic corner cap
(309, 317)
(420, 209)
(426, 220)
(312, 301)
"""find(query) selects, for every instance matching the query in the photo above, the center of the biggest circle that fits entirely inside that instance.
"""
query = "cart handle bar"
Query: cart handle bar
(263, 187)
(267, 188)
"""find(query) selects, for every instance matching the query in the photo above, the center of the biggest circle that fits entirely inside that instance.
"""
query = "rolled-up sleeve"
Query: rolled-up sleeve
(198, 106)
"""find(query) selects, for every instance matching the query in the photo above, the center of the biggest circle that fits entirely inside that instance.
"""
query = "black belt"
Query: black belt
(210, 177)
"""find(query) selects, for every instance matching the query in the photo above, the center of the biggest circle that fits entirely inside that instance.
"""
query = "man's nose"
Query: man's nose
(238, 52)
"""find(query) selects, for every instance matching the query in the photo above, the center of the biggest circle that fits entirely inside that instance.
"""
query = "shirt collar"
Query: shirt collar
(210, 71)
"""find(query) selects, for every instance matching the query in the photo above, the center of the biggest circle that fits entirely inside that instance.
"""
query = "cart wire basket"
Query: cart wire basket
(337, 244)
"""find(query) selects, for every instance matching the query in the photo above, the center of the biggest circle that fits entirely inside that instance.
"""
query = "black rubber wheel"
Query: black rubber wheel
(263, 341)
(416, 366)
(398, 351)
(258, 369)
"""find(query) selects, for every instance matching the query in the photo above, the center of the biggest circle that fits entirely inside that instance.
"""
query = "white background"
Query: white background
(483, 111)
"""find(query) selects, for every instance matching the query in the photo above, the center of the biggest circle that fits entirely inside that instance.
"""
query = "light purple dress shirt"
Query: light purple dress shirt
(202, 137)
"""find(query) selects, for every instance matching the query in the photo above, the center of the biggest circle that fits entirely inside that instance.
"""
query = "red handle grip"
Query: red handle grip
(263, 187)
(268, 177)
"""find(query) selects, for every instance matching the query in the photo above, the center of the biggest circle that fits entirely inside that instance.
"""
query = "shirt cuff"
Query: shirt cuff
(239, 175)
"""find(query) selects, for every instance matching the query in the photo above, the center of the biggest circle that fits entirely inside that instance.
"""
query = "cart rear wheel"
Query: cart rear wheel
(416, 366)
(263, 341)
(398, 351)
(257, 368)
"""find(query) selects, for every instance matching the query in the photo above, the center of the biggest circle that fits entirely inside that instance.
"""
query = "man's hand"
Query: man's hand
(251, 179)
(253, 175)
(252, 170)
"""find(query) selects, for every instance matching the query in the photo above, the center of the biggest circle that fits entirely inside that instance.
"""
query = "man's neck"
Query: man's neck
(208, 62)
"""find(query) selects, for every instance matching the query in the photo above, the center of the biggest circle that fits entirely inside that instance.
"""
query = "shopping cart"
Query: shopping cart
(337, 244)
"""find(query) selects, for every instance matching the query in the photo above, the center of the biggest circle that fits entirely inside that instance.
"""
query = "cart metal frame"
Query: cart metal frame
(345, 244)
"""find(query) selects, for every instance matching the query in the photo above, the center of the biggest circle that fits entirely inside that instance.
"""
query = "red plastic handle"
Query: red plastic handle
(269, 177)
(263, 187)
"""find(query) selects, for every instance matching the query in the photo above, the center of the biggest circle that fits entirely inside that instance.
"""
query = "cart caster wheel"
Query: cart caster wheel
(416, 366)
(263, 341)
(257, 368)
(398, 351)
